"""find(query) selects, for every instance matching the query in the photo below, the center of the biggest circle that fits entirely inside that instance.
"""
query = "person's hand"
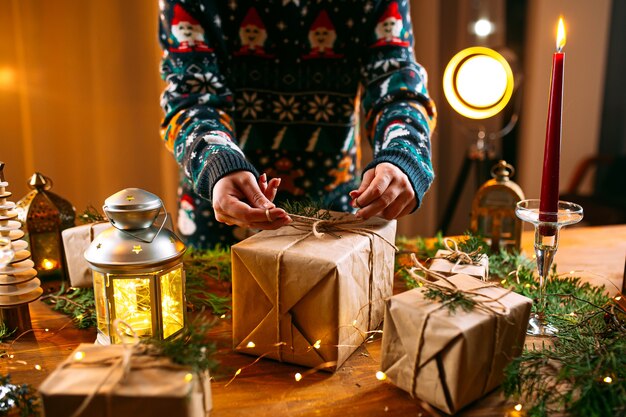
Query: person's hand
(239, 200)
(385, 192)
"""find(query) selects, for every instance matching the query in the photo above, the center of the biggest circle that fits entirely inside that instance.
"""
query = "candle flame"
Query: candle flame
(560, 35)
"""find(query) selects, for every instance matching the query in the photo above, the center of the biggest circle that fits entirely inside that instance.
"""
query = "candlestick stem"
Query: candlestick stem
(547, 226)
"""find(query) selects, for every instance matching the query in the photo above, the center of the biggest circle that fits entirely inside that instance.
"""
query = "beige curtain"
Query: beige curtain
(79, 99)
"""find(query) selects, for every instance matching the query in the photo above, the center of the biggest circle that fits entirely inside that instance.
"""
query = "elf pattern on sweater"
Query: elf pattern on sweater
(276, 87)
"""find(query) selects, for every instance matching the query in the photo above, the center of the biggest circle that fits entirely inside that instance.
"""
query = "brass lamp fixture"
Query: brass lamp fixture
(44, 215)
(493, 209)
(138, 273)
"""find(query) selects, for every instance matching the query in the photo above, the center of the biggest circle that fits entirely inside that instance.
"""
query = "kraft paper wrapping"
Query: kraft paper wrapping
(448, 268)
(462, 356)
(149, 389)
(291, 289)
(77, 239)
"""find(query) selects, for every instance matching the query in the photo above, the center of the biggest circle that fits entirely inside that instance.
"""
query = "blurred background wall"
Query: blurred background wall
(79, 94)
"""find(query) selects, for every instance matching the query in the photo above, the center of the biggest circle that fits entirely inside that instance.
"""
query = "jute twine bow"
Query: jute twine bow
(312, 226)
(488, 304)
(133, 356)
(458, 256)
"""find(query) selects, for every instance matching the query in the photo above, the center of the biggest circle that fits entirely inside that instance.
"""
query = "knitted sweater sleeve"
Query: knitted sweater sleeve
(399, 114)
(197, 127)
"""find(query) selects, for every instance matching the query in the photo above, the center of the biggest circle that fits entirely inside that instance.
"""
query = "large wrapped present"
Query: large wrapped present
(120, 380)
(76, 240)
(452, 261)
(308, 293)
(450, 359)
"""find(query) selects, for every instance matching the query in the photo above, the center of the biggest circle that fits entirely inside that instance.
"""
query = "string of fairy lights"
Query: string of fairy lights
(14, 357)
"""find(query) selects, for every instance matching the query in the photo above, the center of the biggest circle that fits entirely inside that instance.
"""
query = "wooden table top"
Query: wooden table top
(268, 388)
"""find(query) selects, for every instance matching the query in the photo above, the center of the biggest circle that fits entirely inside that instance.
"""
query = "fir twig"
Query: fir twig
(450, 299)
(22, 398)
(205, 270)
(5, 332)
(192, 348)
(306, 208)
(91, 215)
(77, 303)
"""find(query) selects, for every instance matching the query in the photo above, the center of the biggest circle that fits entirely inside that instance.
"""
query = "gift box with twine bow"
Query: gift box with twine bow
(124, 380)
(443, 354)
(309, 293)
(452, 261)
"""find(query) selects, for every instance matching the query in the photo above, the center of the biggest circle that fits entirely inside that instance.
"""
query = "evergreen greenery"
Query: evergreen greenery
(22, 398)
(77, 303)
(568, 374)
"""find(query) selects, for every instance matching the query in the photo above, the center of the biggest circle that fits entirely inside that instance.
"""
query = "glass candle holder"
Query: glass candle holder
(547, 227)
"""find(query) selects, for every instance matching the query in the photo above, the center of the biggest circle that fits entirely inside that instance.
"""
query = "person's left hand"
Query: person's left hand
(385, 192)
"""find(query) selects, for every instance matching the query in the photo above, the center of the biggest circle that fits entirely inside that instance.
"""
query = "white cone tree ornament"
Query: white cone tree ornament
(19, 285)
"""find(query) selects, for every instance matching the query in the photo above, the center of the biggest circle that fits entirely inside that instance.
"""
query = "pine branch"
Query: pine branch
(77, 303)
(306, 208)
(22, 398)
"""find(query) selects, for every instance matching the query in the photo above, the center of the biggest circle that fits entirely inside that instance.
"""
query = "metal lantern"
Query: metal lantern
(493, 209)
(44, 215)
(138, 273)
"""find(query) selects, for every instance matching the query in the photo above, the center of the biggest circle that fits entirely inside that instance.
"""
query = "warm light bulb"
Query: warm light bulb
(617, 298)
(298, 376)
(48, 264)
(38, 367)
(223, 316)
(238, 372)
(483, 27)
(317, 344)
(354, 323)
(188, 377)
(608, 379)
(481, 81)
(250, 344)
(560, 35)
(518, 407)
(79, 356)
(478, 82)
(381, 376)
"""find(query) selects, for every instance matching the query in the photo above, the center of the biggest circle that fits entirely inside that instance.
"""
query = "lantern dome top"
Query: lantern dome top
(133, 199)
(147, 249)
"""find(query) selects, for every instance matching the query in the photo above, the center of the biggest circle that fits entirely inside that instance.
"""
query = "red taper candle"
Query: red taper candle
(552, 152)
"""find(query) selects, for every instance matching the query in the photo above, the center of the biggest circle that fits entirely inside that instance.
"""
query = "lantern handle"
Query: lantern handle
(137, 236)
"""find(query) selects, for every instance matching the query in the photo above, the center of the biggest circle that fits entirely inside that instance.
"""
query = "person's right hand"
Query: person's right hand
(239, 200)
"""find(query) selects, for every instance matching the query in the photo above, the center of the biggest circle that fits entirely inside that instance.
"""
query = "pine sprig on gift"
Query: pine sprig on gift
(22, 398)
(583, 372)
(192, 348)
(77, 303)
(306, 208)
(450, 299)
(205, 269)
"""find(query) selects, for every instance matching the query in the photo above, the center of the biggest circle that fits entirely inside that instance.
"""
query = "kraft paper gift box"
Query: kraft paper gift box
(441, 265)
(452, 359)
(76, 240)
(147, 386)
(309, 300)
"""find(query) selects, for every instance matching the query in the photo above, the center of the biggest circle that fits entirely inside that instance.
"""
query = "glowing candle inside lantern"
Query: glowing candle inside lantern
(552, 151)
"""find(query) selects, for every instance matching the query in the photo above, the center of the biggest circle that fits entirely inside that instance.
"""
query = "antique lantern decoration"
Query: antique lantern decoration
(138, 274)
(493, 209)
(44, 215)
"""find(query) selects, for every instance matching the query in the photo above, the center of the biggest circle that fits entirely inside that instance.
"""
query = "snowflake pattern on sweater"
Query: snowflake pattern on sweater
(277, 87)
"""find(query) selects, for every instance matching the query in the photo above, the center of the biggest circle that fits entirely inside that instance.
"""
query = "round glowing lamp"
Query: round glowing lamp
(138, 274)
(478, 82)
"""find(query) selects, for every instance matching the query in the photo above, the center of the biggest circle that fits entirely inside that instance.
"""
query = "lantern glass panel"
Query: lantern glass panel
(102, 313)
(172, 301)
(46, 251)
(132, 303)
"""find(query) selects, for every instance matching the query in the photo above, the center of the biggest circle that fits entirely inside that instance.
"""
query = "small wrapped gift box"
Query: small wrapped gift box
(76, 240)
(452, 261)
(308, 294)
(116, 381)
(451, 359)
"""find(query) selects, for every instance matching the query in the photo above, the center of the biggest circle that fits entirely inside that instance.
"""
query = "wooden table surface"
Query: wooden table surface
(268, 388)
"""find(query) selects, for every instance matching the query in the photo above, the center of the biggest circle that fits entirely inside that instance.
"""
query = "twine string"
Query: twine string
(488, 304)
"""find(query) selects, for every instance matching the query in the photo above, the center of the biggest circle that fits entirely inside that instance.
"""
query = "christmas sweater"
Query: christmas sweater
(277, 87)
